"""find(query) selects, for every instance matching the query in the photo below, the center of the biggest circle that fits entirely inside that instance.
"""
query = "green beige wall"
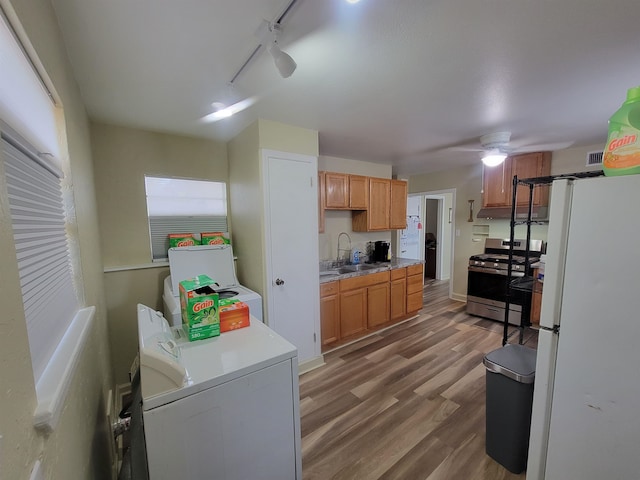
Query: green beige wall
(122, 157)
(247, 219)
(247, 193)
(467, 181)
(78, 448)
(336, 221)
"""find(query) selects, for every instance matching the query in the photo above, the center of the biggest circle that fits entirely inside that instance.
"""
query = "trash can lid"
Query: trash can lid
(516, 362)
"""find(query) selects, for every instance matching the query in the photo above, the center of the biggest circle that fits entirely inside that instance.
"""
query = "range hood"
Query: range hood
(538, 213)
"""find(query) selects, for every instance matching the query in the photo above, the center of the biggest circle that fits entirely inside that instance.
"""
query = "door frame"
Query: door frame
(445, 220)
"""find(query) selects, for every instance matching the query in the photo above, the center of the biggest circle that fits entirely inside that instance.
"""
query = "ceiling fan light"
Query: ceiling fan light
(284, 63)
(493, 159)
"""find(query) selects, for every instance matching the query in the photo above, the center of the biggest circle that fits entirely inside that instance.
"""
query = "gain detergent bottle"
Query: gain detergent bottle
(622, 151)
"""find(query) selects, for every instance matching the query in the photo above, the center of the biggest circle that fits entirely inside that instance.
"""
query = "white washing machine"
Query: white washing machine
(215, 261)
(226, 407)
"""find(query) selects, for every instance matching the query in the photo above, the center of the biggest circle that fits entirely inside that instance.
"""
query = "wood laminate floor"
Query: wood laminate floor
(405, 403)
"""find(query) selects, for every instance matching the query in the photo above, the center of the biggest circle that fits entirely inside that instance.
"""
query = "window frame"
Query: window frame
(160, 226)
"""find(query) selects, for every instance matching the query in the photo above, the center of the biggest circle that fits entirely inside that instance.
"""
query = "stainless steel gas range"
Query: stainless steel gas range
(487, 286)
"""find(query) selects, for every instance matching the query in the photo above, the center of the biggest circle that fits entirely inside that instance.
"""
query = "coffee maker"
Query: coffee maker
(381, 251)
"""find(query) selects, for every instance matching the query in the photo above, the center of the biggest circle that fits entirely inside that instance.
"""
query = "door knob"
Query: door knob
(279, 281)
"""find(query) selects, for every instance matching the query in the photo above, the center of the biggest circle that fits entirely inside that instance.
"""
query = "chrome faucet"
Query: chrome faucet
(338, 252)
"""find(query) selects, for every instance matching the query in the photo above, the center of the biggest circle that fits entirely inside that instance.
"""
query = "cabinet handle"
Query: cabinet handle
(279, 281)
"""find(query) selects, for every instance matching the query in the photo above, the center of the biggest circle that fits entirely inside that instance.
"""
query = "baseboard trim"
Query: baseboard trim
(309, 365)
(458, 297)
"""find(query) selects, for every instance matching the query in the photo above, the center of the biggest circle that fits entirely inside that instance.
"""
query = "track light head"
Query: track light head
(283, 61)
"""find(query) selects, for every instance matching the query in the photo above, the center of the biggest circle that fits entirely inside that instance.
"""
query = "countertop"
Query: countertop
(332, 275)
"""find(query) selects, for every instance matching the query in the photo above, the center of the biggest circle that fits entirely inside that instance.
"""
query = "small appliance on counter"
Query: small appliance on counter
(381, 251)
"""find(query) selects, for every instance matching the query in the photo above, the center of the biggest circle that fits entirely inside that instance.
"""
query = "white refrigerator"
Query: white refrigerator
(586, 405)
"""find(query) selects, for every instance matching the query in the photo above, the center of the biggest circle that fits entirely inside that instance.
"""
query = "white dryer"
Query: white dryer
(215, 261)
(226, 407)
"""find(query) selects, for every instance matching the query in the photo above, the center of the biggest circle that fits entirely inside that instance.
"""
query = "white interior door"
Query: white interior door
(291, 231)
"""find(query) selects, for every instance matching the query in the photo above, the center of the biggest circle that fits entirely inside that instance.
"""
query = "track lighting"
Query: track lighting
(268, 34)
(283, 61)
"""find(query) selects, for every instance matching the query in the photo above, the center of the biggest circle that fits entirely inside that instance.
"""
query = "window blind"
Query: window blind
(39, 230)
(180, 205)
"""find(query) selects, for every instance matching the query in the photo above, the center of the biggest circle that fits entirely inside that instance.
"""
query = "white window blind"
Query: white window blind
(183, 206)
(25, 102)
(39, 229)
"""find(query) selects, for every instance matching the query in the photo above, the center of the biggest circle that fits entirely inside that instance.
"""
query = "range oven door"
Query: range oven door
(487, 294)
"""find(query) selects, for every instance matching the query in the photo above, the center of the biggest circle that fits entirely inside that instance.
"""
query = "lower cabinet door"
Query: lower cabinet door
(378, 304)
(353, 312)
(414, 302)
(330, 319)
(398, 298)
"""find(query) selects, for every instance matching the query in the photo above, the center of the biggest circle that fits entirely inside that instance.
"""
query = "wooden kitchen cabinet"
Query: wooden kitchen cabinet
(352, 307)
(345, 192)
(398, 208)
(387, 207)
(356, 295)
(379, 204)
(358, 192)
(415, 279)
(353, 312)
(398, 293)
(378, 304)
(336, 190)
(531, 165)
(498, 181)
(329, 312)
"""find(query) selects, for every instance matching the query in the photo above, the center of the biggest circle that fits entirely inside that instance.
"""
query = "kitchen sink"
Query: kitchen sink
(357, 268)
(327, 273)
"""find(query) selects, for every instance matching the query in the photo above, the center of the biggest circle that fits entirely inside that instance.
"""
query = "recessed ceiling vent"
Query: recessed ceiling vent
(594, 158)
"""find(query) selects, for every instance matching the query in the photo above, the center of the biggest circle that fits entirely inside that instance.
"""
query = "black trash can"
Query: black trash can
(510, 375)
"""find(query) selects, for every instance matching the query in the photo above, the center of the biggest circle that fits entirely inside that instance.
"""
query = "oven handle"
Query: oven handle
(494, 271)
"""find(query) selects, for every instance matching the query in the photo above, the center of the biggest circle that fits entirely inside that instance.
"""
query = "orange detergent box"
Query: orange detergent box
(214, 238)
(182, 240)
(234, 314)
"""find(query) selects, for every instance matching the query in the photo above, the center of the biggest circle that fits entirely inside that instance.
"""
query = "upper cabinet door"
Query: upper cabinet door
(358, 192)
(379, 203)
(337, 190)
(531, 165)
(398, 218)
(498, 181)
(497, 185)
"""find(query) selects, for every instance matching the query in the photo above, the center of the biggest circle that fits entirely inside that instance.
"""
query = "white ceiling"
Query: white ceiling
(395, 82)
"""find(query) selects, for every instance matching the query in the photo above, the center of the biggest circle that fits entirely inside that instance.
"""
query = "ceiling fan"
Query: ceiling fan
(495, 147)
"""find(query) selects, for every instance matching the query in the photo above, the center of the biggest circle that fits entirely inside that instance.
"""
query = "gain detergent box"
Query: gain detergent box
(214, 238)
(182, 240)
(199, 308)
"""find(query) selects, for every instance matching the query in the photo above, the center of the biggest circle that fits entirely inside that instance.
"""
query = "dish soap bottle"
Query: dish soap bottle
(356, 257)
(622, 150)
